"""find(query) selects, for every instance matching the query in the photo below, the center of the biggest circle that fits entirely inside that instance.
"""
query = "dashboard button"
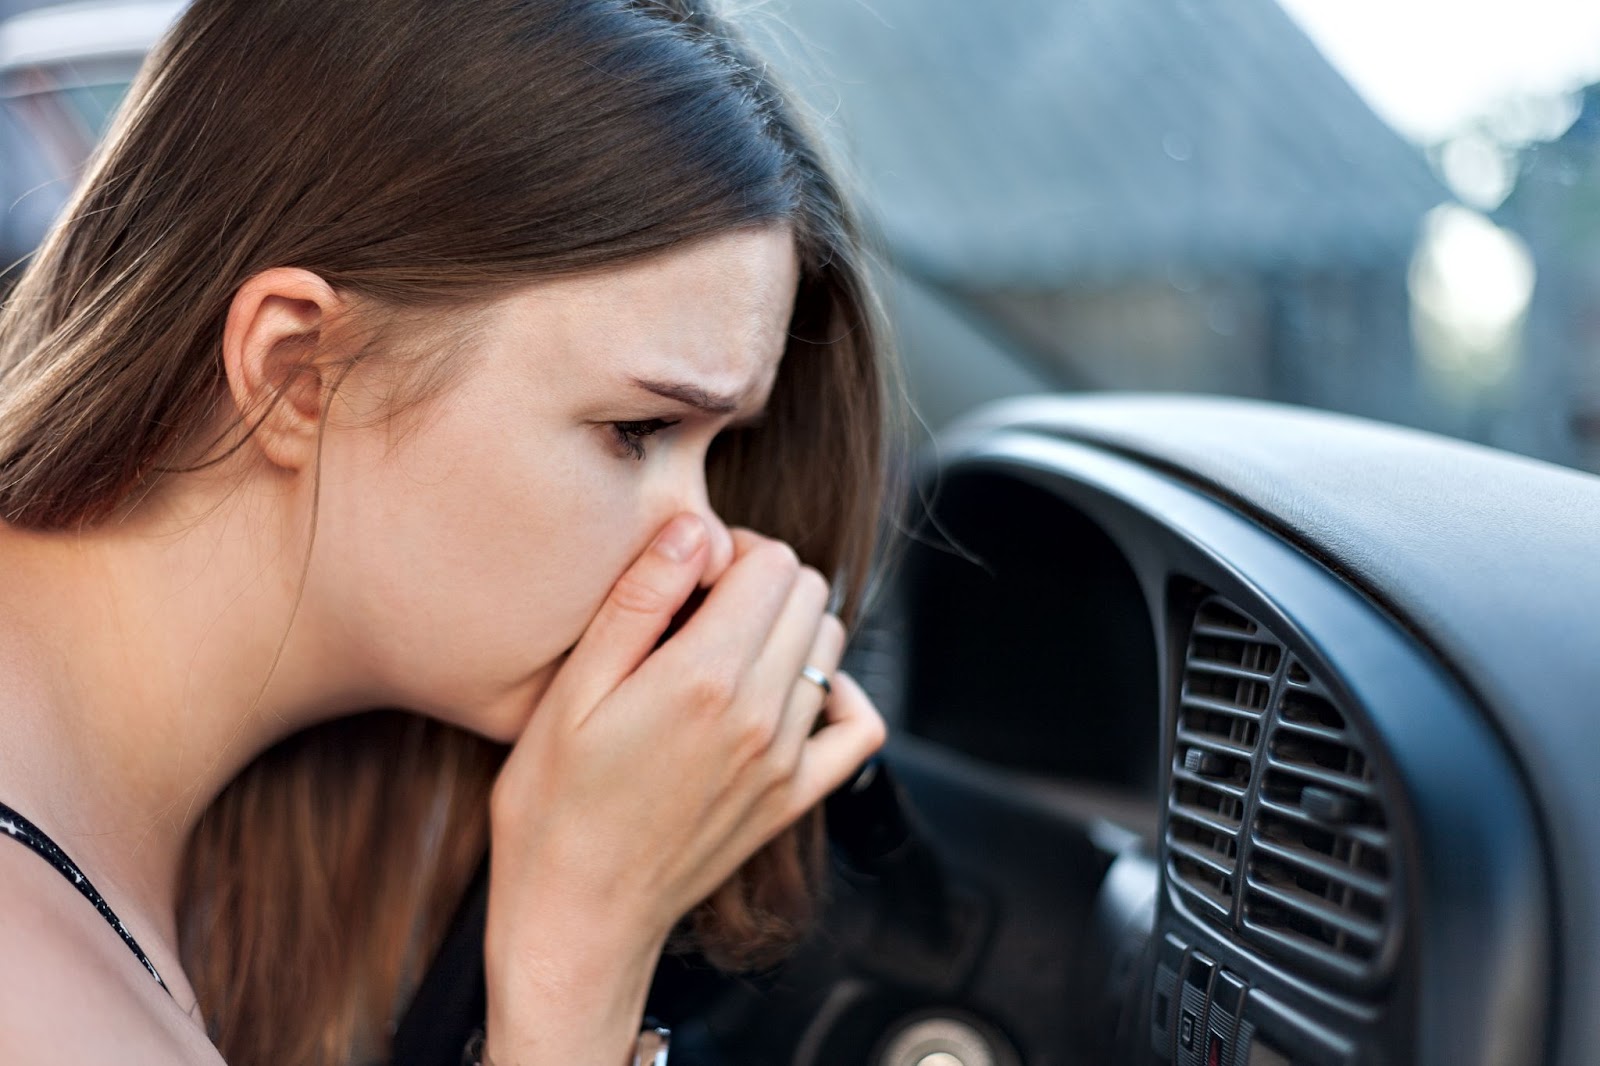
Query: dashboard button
(1227, 999)
(1194, 991)
(1227, 995)
(1164, 996)
(1216, 1049)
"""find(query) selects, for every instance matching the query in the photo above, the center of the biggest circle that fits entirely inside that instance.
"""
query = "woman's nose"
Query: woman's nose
(693, 495)
(721, 546)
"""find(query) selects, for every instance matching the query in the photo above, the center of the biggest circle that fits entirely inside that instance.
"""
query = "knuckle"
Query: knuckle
(811, 582)
(778, 556)
(783, 762)
(713, 689)
(634, 594)
(745, 540)
(754, 736)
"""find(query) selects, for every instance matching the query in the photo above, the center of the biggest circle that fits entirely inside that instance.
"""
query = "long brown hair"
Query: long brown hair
(421, 155)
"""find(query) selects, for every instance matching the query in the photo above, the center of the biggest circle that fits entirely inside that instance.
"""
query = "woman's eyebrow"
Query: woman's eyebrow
(710, 402)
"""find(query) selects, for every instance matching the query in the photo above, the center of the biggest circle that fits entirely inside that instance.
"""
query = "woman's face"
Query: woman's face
(463, 549)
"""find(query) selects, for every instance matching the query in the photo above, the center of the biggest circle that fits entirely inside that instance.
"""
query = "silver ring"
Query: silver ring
(818, 678)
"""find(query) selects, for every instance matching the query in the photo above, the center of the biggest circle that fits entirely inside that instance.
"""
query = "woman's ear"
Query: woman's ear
(278, 324)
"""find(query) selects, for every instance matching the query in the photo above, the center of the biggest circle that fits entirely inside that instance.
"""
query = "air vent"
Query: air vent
(1319, 885)
(1228, 675)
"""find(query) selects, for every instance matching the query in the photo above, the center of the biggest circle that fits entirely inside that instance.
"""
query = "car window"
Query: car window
(64, 70)
(63, 110)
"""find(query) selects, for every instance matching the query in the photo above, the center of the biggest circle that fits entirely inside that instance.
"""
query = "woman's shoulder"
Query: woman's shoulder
(67, 993)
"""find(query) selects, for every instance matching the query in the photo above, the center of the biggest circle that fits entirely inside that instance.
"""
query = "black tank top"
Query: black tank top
(23, 831)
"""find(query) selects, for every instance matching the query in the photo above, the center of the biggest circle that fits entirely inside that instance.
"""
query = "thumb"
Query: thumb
(635, 613)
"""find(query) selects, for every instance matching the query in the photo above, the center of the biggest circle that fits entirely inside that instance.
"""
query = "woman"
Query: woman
(399, 353)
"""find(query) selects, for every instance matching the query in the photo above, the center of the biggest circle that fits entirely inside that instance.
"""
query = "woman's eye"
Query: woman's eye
(631, 435)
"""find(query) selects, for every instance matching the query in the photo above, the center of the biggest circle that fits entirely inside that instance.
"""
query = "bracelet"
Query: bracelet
(650, 1050)
(654, 1040)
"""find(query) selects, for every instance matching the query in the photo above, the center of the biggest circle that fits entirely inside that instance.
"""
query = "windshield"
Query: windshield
(1385, 208)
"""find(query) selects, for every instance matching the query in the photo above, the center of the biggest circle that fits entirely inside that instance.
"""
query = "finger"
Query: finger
(745, 539)
(773, 675)
(854, 730)
(635, 613)
(732, 625)
(806, 698)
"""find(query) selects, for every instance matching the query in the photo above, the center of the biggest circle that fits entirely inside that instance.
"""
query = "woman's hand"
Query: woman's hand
(647, 775)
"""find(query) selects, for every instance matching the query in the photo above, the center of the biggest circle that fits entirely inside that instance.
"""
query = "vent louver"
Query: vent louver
(1319, 883)
(1227, 683)
(1275, 827)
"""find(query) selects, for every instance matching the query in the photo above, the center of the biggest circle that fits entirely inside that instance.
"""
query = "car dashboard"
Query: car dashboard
(1206, 623)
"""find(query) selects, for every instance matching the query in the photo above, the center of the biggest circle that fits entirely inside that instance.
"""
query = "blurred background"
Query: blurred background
(1384, 207)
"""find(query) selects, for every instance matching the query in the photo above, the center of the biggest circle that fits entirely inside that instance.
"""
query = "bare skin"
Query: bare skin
(485, 558)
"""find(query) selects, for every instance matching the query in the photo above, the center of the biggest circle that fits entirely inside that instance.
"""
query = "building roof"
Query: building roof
(1030, 142)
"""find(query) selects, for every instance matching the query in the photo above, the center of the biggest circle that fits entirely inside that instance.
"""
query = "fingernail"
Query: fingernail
(681, 538)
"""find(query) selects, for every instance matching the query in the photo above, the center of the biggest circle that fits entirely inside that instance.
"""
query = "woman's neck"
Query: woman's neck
(143, 669)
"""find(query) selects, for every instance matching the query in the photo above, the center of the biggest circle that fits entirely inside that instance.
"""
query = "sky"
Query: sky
(1428, 67)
